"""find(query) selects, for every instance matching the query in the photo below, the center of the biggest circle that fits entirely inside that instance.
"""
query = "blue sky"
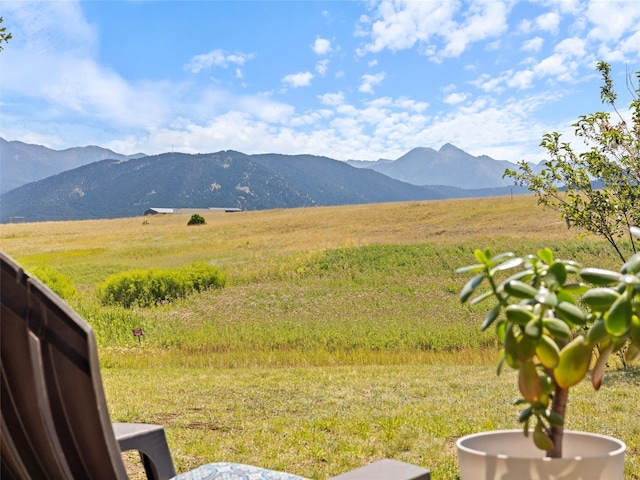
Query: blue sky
(345, 79)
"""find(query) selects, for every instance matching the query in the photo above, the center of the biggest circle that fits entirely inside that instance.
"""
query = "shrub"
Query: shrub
(59, 283)
(150, 287)
(196, 219)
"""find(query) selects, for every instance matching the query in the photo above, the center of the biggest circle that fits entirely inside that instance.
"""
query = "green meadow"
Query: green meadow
(337, 340)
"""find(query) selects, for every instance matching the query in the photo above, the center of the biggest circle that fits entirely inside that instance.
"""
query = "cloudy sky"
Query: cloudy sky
(346, 79)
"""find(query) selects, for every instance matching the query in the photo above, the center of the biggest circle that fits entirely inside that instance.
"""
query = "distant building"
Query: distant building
(188, 211)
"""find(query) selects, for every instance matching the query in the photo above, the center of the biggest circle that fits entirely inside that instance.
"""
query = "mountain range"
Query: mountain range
(129, 185)
(22, 163)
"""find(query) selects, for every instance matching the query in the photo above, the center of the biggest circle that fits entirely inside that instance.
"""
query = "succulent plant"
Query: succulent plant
(556, 321)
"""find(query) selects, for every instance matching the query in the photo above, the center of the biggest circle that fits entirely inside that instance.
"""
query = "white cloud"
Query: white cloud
(333, 99)
(612, 20)
(548, 22)
(322, 66)
(217, 58)
(370, 81)
(403, 24)
(301, 79)
(454, 98)
(321, 46)
(533, 44)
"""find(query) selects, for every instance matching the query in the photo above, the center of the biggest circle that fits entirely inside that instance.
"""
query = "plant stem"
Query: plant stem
(559, 406)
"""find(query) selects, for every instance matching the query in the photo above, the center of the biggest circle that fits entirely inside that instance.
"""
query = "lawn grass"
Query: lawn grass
(338, 339)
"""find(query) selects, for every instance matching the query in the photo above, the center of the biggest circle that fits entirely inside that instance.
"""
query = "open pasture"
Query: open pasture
(338, 339)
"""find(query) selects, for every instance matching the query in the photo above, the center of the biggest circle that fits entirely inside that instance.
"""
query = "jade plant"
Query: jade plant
(556, 321)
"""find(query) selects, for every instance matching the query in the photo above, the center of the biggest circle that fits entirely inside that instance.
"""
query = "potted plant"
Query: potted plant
(555, 321)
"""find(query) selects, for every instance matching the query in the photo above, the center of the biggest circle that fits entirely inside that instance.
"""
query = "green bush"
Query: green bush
(196, 219)
(59, 283)
(150, 287)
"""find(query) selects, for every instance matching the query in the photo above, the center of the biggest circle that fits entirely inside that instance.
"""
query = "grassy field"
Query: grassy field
(339, 338)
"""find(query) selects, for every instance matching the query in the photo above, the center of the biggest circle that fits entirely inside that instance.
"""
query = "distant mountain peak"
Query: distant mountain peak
(447, 147)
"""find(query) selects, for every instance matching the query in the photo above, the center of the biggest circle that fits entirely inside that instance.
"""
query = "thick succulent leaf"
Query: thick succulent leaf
(548, 385)
(573, 363)
(556, 275)
(471, 268)
(511, 263)
(553, 418)
(529, 382)
(633, 350)
(597, 333)
(632, 265)
(500, 257)
(526, 347)
(541, 439)
(618, 319)
(600, 299)
(520, 314)
(481, 298)
(481, 256)
(598, 276)
(546, 255)
(598, 369)
(520, 289)
(547, 352)
(490, 318)
(525, 415)
(557, 328)
(470, 287)
(571, 313)
(533, 329)
(511, 348)
(547, 298)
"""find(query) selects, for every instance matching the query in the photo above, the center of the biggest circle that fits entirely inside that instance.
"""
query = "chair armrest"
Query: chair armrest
(151, 442)
(386, 469)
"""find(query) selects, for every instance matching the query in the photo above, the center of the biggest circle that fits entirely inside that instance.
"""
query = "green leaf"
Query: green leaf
(519, 314)
(501, 256)
(546, 255)
(598, 276)
(520, 289)
(480, 298)
(547, 352)
(632, 265)
(573, 363)
(618, 319)
(601, 363)
(529, 382)
(490, 318)
(511, 348)
(541, 439)
(533, 329)
(571, 313)
(512, 263)
(470, 287)
(481, 256)
(553, 418)
(471, 268)
(524, 415)
(556, 275)
(600, 299)
(547, 298)
(557, 328)
(597, 333)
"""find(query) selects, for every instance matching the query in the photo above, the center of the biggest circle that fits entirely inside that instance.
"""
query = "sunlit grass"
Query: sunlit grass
(338, 339)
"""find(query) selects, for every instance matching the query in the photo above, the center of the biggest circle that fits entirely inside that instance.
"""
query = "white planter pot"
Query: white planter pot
(509, 455)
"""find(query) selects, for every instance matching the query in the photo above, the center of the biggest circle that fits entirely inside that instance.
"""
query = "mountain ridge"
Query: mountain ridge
(22, 163)
(227, 179)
